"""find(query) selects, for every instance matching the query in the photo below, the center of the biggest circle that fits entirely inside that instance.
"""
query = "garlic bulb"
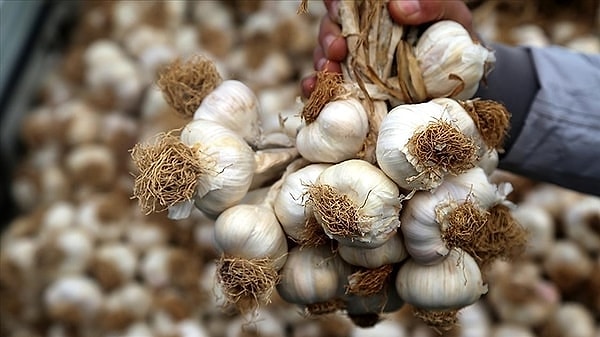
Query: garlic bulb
(582, 223)
(251, 232)
(518, 294)
(74, 299)
(451, 63)
(392, 251)
(539, 225)
(571, 319)
(125, 305)
(235, 106)
(214, 170)
(289, 205)
(419, 144)
(386, 300)
(427, 218)
(312, 275)
(567, 265)
(254, 248)
(454, 283)
(356, 204)
(337, 134)
(114, 264)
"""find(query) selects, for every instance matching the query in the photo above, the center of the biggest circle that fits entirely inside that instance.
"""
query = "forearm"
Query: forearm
(555, 124)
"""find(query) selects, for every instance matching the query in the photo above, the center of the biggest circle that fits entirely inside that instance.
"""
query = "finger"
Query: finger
(307, 85)
(331, 40)
(415, 12)
(333, 10)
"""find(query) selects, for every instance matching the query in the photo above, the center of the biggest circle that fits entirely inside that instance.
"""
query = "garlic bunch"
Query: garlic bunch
(298, 221)
(313, 277)
(452, 64)
(336, 134)
(420, 144)
(455, 213)
(454, 283)
(254, 248)
(211, 167)
(356, 204)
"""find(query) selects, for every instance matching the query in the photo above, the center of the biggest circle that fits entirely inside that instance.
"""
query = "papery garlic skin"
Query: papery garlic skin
(235, 106)
(392, 251)
(251, 232)
(397, 128)
(454, 283)
(375, 196)
(337, 134)
(77, 292)
(230, 178)
(420, 217)
(289, 204)
(446, 50)
(312, 275)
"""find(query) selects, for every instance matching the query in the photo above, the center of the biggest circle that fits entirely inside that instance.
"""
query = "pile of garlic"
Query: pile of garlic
(80, 279)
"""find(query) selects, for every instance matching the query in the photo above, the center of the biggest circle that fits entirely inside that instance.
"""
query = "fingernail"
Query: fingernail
(321, 63)
(408, 7)
(328, 41)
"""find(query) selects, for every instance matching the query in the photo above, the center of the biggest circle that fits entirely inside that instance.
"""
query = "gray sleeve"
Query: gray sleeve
(551, 93)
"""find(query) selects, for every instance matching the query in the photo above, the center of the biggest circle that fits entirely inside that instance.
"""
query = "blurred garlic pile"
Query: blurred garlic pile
(375, 207)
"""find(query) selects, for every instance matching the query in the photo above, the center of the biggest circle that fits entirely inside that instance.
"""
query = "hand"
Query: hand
(332, 48)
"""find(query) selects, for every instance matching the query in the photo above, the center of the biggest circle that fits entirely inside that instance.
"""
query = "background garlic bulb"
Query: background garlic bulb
(454, 283)
(356, 203)
(451, 62)
(337, 134)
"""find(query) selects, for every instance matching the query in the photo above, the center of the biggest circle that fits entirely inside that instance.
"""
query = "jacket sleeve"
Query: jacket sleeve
(552, 95)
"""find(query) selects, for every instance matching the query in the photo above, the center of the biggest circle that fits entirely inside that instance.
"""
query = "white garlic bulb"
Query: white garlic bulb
(452, 64)
(567, 265)
(73, 295)
(235, 106)
(220, 165)
(539, 225)
(454, 283)
(424, 217)
(419, 144)
(312, 275)
(337, 134)
(392, 251)
(289, 205)
(115, 263)
(582, 223)
(154, 267)
(251, 232)
(356, 203)
(131, 300)
(571, 319)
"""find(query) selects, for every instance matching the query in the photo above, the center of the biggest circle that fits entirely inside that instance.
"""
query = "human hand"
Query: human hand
(332, 48)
